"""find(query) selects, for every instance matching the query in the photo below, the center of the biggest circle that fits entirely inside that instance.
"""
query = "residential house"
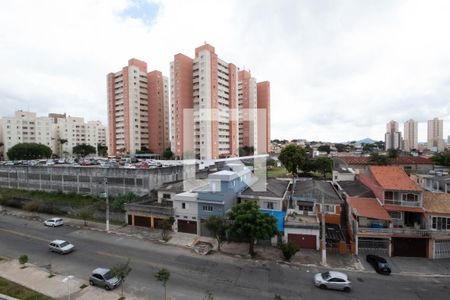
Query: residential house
(408, 163)
(437, 207)
(434, 181)
(402, 198)
(308, 199)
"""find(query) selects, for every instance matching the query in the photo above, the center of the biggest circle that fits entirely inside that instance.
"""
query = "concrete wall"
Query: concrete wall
(90, 180)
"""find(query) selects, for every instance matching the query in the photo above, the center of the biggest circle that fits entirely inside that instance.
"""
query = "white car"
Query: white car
(54, 222)
(61, 247)
(333, 280)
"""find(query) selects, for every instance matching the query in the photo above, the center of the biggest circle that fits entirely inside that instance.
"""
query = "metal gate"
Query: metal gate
(442, 249)
(373, 246)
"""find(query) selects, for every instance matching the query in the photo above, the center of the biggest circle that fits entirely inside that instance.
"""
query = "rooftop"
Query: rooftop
(182, 185)
(312, 190)
(274, 188)
(368, 207)
(393, 178)
(402, 160)
(436, 202)
(356, 189)
(301, 221)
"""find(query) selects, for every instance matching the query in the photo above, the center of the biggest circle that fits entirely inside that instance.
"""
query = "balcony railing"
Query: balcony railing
(396, 231)
(403, 203)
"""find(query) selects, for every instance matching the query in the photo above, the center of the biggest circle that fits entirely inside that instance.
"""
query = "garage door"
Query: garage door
(303, 241)
(142, 221)
(187, 226)
(409, 247)
(442, 249)
(373, 246)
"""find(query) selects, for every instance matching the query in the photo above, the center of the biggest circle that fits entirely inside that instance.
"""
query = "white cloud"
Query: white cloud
(338, 70)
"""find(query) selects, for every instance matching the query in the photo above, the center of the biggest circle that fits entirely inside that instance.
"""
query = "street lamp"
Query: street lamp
(67, 280)
(324, 242)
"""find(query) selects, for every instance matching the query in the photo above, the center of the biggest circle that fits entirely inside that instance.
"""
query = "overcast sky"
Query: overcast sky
(339, 70)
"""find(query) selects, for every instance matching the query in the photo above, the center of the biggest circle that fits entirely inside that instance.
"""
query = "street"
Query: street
(192, 275)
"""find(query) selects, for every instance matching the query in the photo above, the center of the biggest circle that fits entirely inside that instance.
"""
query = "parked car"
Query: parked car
(103, 277)
(61, 247)
(54, 222)
(380, 265)
(333, 280)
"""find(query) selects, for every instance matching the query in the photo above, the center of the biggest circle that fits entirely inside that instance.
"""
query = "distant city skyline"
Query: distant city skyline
(338, 72)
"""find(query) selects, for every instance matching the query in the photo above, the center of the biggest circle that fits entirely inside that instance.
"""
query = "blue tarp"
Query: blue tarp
(279, 215)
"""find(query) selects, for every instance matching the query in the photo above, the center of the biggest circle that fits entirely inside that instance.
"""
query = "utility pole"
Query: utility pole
(324, 243)
(105, 184)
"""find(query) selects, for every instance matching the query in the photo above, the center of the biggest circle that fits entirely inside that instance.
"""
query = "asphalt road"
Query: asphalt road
(191, 275)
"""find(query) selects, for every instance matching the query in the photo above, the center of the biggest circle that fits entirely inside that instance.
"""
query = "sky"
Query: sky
(339, 70)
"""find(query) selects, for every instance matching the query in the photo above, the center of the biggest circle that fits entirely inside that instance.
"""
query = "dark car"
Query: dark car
(380, 265)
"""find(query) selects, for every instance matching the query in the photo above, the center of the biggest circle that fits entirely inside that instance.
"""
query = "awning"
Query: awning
(404, 208)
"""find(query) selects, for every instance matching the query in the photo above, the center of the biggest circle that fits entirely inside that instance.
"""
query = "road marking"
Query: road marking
(24, 235)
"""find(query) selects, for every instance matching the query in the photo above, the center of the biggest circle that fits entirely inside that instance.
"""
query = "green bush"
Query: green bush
(288, 250)
(23, 259)
(118, 202)
(33, 206)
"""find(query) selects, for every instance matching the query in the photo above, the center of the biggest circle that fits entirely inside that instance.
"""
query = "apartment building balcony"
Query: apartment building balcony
(403, 203)
(396, 231)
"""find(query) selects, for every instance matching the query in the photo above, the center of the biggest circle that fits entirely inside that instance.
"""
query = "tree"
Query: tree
(323, 165)
(368, 148)
(121, 271)
(144, 150)
(249, 223)
(208, 295)
(61, 143)
(167, 154)
(246, 151)
(102, 150)
(340, 147)
(324, 148)
(163, 275)
(271, 163)
(288, 250)
(393, 153)
(166, 227)
(379, 159)
(26, 151)
(23, 259)
(218, 226)
(292, 157)
(83, 150)
(442, 159)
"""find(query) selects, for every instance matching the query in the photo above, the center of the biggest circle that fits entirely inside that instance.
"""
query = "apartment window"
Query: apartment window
(409, 197)
(389, 195)
(328, 208)
(183, 205)
(166, 196)
(269, 205)
(207, 207)
(395, 215)
(440, 223)
(305, 207)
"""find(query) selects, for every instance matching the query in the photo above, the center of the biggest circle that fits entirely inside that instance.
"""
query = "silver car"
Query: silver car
(333, 280)
(61, 247)
(103, 277)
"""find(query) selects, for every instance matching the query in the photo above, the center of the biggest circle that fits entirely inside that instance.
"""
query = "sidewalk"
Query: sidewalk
(38, 279)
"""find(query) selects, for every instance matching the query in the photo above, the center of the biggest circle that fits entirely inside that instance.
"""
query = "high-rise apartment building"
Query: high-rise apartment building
(248, 113)
(137, 118)
(209, 106)
(392, 137)
(436, 135)
(264, 144)
(26, 127)
(410, 139)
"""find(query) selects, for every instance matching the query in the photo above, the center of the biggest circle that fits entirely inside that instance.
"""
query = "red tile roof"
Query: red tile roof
(393, 178)
(404, 208)
(368, 207)
(436, 203)
(402, 160)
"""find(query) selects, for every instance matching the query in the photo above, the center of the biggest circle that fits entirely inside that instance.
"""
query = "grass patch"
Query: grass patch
(277, 172)
(83, 286)
(47, 197)
(51, 275)
(15, 290)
